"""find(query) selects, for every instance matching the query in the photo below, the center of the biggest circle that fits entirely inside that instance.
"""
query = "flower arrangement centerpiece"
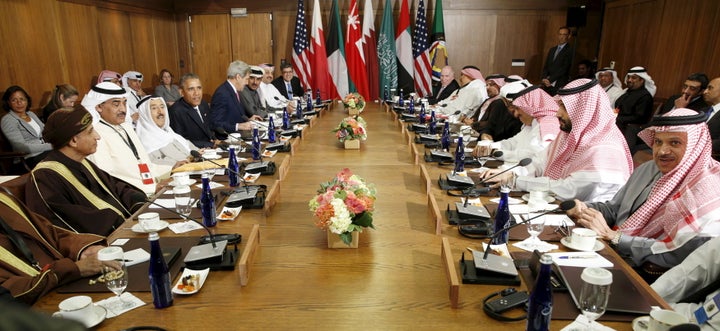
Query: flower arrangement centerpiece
(344, 205)
(351, 128)
(354, 103)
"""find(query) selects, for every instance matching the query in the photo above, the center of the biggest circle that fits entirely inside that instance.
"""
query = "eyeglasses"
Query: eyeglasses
(18, 100)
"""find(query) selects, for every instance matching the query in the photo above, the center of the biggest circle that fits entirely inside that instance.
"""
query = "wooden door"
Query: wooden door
(217, 39)
(252, 38)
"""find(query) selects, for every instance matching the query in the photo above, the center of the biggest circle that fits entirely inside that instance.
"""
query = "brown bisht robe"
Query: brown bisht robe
(55, 250)
(87, 207)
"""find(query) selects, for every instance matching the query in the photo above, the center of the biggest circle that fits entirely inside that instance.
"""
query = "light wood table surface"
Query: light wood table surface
(393, 281)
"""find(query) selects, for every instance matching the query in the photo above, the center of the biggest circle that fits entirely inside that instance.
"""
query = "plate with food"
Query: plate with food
(268, 153)
(250, 177)
(229, 214)
(190, 281)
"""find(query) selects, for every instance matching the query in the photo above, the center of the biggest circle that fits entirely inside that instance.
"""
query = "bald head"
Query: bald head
(447, 75)
(712, 92)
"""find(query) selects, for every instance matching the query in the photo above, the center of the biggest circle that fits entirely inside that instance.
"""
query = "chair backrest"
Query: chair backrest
(16, 186)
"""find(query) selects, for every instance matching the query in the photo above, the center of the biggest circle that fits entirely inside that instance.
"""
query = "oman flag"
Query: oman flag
(354, 54)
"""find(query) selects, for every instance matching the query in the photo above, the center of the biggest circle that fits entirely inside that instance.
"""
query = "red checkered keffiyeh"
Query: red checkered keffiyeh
(595, 144)
(541, 106)
(684, 202)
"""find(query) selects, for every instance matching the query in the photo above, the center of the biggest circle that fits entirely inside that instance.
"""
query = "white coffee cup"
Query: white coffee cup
(663, 320)
(149, 221)
(181, 178)
(78, 308)
(583, 239)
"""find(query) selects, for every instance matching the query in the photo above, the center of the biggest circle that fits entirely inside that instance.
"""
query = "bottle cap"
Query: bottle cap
(153, 236)
(597, 276)
(504, 189)
(111, 253)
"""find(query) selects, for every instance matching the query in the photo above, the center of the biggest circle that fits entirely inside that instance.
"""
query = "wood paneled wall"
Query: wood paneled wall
(46, 43)
(671, 39)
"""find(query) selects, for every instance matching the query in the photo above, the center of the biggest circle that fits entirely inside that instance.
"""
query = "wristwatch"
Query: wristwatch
(616, 240)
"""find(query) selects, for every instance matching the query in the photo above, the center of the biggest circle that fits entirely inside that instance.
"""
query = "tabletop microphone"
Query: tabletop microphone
(522, 163)
(197, 154)
(211, 254)
(564, 207)
(496, 154)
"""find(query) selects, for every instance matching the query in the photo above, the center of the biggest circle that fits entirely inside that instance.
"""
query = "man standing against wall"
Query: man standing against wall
(556, 71)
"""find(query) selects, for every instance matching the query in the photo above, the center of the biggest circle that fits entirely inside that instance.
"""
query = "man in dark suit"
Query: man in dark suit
(288, 82)
(556, 71)
(190, 116)
(226, 109)
(691, 96)
(447, 86)
(712, 97)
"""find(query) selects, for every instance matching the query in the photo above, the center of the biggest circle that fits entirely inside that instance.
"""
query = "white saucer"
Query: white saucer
(641, 323)
(214, 157)
(161, 226)
(598, 244)
(188, 183)
(548, 198)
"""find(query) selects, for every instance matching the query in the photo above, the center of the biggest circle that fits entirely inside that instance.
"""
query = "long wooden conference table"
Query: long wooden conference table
(395, 280)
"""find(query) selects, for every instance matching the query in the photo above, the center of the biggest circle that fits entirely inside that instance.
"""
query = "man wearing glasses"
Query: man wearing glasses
(288, 85)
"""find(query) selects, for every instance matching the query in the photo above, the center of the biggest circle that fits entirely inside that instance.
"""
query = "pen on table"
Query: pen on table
(577, 257)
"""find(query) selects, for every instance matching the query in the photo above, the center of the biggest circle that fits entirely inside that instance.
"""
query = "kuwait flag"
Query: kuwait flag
(336, 54)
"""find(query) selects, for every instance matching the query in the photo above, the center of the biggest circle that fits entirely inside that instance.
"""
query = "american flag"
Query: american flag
(423, 69)
(300, 58)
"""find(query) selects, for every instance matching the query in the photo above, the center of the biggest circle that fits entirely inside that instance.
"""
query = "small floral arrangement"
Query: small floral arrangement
(354, 100)
(352, 127)
(344, 204)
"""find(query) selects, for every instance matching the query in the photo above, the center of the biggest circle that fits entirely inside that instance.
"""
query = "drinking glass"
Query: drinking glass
(595, 293)
(534, 228)
(115, 275)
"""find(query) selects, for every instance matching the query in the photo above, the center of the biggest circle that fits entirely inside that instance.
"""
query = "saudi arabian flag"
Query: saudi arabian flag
(438, 51)
(386, 50)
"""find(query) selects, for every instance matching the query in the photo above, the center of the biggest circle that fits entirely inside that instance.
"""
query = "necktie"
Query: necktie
(289, 90)
(557, 51)
(199, 113)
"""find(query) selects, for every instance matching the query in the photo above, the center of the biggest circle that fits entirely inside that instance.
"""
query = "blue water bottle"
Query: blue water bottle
(445, 138)
(431, 125)
(207, 203)
(401, 102)
(309, 101)
(299, 110)
(255, 144)
(460, 156)
(271, 130)
(502, 217)
(386, 94)
(233, 168)
(421, 117)
(411, 107)
(286, 119)
(318, 99)
(541, 301)
(159, 274)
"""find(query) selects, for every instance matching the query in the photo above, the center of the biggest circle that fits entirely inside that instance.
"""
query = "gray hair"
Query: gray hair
(237, 68)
